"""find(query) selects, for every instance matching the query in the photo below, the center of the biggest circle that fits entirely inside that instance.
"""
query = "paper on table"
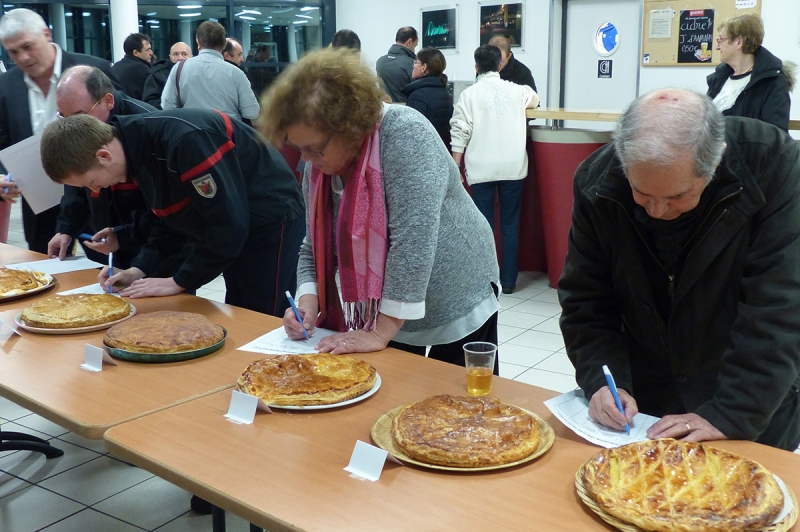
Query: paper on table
(277, 343)
(23, 161)
(53, 266)
(88, 289)
(572, 409)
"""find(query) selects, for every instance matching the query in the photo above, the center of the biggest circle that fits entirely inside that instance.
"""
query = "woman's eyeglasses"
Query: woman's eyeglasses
(318, 153)
(720, 39)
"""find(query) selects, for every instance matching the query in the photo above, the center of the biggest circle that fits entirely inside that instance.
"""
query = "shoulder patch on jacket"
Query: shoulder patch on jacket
(205, 186)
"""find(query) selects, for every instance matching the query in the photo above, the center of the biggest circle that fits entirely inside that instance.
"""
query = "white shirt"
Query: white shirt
(43, 108)
(730, 91)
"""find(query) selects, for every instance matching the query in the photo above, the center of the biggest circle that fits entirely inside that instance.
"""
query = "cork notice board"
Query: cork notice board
(684, 32)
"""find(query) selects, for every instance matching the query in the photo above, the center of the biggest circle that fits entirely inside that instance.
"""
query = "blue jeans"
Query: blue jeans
(510, 196)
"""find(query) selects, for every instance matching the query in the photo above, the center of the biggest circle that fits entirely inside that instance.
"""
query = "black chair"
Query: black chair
(17, 441)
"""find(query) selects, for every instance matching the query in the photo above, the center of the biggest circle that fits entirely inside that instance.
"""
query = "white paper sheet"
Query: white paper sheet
(277, 343)
(572, 409)
(54, 266)
(94, 289)
(746, 4)
(23, 161)
(661, 23)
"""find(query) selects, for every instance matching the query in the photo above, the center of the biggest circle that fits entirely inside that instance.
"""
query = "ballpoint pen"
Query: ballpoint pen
(87, 236)
(296, 312)
(613, 387)
(111, 271)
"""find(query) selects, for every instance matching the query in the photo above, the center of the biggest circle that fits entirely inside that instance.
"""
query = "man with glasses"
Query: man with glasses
(117, 219)
(210, 179)
(27, 100)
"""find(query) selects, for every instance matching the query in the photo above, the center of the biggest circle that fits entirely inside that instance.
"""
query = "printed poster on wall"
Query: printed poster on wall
(439, 28)
(501, 19)
(696, 36)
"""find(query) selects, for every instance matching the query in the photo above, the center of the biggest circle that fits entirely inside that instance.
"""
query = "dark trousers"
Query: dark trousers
(266, 268)
(39, 228)
(510, 196)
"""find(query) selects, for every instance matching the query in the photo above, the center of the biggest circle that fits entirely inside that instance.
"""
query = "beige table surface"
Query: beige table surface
(573, 114)
(284, 472)
(43, 373)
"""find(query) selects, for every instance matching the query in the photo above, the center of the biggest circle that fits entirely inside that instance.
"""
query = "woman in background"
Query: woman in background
(428, 92)
(750, 81)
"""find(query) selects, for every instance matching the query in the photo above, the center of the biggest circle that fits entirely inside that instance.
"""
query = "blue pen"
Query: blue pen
(613, 388)
(111, 272)
(87, 236)
(8, 178)
(296, 312)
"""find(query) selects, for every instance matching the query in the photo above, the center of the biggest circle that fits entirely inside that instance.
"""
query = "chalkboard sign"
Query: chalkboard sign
(439, 28)
(696, 36)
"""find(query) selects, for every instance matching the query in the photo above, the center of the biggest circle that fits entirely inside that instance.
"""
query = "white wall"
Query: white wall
(376, 21)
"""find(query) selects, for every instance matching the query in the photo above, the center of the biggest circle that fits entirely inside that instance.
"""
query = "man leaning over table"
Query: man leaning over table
(207, 177)
(683, 274)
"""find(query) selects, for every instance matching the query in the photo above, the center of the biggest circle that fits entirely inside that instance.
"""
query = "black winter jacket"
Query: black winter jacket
(131, 73)
(154, 84)
(766, 96)
(429, 96)
(730, 350)
(395, 69)
(518, 73)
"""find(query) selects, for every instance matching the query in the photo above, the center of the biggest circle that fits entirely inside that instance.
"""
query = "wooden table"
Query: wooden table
(573, 114)
(284, 472)
(43, 373)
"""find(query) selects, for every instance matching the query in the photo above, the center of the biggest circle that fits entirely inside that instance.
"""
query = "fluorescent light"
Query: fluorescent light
(189, 7)
(190, 14)
(251, 11)
(152, 22)
(301, 22)
(245, 17)
(103, 24)
(154, 13)
(68, 14)
(303, 16)
(283, 10)
(308, 8)
(87, 14)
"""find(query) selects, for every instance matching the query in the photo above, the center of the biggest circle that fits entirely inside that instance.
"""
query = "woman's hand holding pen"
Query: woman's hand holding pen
(308, 307)
(603, 409)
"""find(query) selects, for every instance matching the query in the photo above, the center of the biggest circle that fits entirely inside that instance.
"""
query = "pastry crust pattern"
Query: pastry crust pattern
(305, 380)
(75, 310)
(465, 431)
(164, 332)
(670, 485)
(15, 282)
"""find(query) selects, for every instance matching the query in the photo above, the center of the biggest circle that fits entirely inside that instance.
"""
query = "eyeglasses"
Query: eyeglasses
(720, 39)
(417, 62)
(318, 153)
(59, 115)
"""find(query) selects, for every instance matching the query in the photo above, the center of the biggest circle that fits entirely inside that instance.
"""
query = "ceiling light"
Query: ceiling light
(283, 10)
(251, 11)
(189, 7)
(301, 22)
(154, 13)
(103, 24)
(68, 14)
(87, 14)
(190, 14)
(245, 17)
(152, 22)
(308, 8)
(303, 16)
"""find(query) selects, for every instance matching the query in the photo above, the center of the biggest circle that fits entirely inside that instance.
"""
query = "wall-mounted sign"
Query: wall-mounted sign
(696, 36)
(439, 28)
(606, 39)
(604, 68)
(500, 19)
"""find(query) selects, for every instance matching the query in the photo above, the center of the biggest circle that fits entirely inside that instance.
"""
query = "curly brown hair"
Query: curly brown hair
(749, 27)
(330, 90)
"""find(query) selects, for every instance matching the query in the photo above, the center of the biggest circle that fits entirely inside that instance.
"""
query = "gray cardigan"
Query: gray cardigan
(441, 260)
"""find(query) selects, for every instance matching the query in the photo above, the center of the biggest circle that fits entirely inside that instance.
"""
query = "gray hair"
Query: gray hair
(18, 21)
(662, 126)
(96, 82)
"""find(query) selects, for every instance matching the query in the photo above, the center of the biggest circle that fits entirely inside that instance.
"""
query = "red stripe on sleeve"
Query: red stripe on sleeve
(216, 156)
(172, 209)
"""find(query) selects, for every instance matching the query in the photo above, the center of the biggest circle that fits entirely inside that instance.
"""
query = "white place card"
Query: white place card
(243, 408)
(94, 358)
(367, 461)
(7, 330)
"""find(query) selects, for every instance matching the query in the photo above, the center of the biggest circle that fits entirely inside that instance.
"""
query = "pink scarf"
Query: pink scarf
(362, 242)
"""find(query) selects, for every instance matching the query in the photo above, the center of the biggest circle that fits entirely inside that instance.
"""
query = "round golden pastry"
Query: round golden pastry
(15, 282)
(164, 332)
(75, 310)
(305, 380)
(465, 431)
(670, 485)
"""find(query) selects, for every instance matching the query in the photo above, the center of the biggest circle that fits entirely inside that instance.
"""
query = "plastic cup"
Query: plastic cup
(479, 358)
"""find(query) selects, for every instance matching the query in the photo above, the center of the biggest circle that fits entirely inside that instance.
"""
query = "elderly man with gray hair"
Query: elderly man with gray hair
(683, 274)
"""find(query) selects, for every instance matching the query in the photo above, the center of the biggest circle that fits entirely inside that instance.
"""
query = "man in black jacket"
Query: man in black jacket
(132, 70)
(117, 217)
(208, 178)
(157, 78)
(511, 69)
(395, 68)
(683, 274)
(28, 41)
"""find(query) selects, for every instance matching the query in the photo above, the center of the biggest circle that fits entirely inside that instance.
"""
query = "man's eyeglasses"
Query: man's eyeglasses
(720, 39)
(59, 115)
(319, 153)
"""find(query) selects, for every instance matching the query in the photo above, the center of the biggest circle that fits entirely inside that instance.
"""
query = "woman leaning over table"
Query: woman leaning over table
(386, 208)
(750, 81)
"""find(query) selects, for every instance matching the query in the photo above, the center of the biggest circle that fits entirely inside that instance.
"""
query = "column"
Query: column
(124, 16)
(292, 42)
(186, 33)
(245, 38)
(58, 21)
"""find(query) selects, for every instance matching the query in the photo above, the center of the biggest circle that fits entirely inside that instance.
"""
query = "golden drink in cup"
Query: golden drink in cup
(704, 48)
(479, 358)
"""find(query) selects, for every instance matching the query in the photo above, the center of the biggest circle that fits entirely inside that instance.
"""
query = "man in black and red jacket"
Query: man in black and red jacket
(207, 177)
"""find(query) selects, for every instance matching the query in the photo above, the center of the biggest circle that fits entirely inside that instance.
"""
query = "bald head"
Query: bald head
(84, 89)
(505, 50)
(179, 50)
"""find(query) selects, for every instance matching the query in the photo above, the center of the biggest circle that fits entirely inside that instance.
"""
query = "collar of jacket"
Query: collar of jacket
(131, 56)
(399, 49)
(765, 65)
(487, 76)
(426, 81)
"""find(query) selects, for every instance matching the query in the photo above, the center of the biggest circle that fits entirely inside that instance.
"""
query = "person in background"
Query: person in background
(395, 68)
(132, 70)
(511, 69)
(750, 81)
(28, 101)
(261, 76)
(427, 273)
(118, 218)
(489, 117)
(683, 274)
(208, 82)
(232, 53)
(428, 92)
(347, 39)
(154, 85)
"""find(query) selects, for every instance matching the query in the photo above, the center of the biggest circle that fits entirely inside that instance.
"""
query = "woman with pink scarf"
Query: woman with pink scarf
(387, 211)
